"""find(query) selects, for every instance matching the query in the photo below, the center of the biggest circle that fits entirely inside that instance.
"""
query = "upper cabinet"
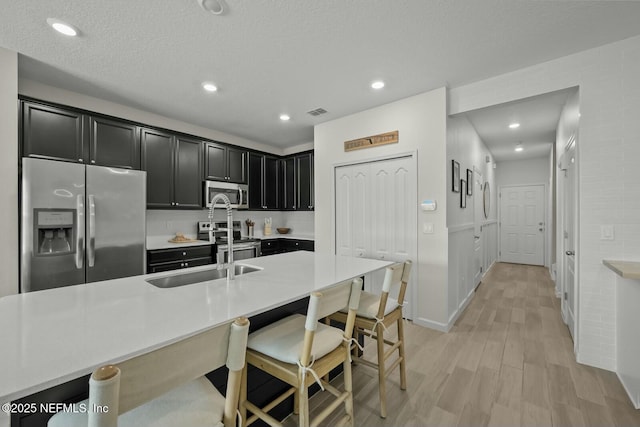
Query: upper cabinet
(64, 134)
(53, 133)
(264, 182)
(174, 177)
(223, 163)
(114, 143)
(297, 186)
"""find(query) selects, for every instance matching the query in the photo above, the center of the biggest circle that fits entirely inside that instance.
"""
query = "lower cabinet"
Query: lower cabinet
(280, 246)
(159, 260)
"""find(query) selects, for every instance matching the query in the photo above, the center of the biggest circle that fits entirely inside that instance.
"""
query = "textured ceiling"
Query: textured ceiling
(538, 118)
(269, 57)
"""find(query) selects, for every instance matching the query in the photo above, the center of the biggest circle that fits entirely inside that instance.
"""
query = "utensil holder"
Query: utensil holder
(250, 230)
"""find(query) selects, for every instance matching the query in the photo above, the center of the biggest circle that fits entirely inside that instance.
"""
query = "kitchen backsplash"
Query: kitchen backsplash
(166, 222)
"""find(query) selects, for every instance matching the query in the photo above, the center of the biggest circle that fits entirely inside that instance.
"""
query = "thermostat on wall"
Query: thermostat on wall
(428, 205)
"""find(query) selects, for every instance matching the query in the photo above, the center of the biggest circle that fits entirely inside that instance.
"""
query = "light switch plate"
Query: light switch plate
(427, 228)
(607, 232)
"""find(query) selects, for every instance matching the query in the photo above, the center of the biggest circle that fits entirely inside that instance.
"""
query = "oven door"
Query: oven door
(240, 251)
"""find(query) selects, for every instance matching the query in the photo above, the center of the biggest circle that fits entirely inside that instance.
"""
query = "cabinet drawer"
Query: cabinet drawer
(271, 245)
(291, 245)
(176, 265)
(168, 255)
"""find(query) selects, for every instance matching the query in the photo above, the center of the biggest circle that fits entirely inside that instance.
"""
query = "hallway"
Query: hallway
(508, 361)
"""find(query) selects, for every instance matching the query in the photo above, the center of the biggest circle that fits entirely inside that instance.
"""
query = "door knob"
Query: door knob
(570, 253)
(540, 229)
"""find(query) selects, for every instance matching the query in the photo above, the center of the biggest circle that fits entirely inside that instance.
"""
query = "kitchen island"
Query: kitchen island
(54, 336)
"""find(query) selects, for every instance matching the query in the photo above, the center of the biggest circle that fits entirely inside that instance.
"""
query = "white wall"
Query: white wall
(9, 246)
(465, 146)
(523, 172)
(609, 150)
(61, 96)
(421, 122)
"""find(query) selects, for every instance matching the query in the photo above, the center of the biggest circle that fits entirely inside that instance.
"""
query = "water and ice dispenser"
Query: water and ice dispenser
(54, 231)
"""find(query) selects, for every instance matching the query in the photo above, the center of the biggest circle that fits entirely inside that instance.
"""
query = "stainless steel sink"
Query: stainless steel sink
(199, 276)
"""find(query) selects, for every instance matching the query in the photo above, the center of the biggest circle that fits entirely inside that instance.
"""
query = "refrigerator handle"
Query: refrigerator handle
(80, 232)
(91, 247)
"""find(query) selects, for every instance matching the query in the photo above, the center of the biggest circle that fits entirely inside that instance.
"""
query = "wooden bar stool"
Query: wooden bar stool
(166, 388)
(299, 351)
(377, 313)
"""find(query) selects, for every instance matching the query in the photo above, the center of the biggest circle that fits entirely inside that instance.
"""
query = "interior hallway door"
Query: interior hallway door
(569, 226)
(522, 224)
(375, 215)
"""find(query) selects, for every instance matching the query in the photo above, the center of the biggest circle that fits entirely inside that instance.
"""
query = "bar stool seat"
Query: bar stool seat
(370, 303)
(284, 339)
(196, 403)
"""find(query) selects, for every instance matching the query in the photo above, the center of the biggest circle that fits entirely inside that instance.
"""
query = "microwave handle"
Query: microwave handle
(241, 191)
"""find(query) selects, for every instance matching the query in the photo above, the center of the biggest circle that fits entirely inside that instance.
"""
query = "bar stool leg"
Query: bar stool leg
(303, 416)
(348, 387)
(381, 371)
(243, 396)
(403, 370)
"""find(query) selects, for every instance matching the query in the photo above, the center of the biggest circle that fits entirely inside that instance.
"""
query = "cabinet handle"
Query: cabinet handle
(177, 204)
(93, 162)
(184, 254)
(186, 264)
(79, 160)
(182, 264)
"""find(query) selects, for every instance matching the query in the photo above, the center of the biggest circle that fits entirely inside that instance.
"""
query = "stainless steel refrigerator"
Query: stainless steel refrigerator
(80, 224)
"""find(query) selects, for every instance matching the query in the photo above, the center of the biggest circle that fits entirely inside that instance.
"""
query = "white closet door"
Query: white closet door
(376, 215)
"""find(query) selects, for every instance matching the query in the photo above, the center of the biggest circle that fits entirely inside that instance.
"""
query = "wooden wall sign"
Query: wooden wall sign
(372, 141)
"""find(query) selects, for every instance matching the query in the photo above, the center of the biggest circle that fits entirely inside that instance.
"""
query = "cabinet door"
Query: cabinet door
(289, 184)
(271, 194)
(216, 162)
(237, 165)
(114, 143)
(304, 173)
(188, 176)
(255, 181)
(53, 133)
(157, 160)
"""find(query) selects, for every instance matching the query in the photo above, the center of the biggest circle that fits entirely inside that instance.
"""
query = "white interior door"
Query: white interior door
(569, 225)
(376, 215)
(522, 224)
(478, 219)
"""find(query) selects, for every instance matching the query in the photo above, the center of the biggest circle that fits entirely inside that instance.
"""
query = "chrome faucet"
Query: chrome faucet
(231, 268)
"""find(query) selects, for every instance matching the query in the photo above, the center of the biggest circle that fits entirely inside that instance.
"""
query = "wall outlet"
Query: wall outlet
(427, 228)
(607, 232)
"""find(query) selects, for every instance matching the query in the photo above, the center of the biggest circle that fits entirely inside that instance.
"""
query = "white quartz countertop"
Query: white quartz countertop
(162, 242)
(53, 336)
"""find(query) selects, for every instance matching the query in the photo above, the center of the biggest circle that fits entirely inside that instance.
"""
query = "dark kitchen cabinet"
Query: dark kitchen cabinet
(173, 170)
(176, 258)
(224, 163)
(289, 184)
(114, 143)
(53, 133)
(304, 176)
(291, 245)
(264, 182)
(297, 182)
(65, 134)
(270, 247)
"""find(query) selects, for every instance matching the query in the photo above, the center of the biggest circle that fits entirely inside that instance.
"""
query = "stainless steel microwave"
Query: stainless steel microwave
(237, 193)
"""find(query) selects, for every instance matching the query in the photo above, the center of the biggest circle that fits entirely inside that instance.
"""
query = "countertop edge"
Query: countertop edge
(624, 269)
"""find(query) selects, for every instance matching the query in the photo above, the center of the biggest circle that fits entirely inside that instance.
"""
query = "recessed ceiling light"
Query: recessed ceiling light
(209, 87)
(284, 117)
(519, 147)
(377, 85)
(514, 125)
(62, 27)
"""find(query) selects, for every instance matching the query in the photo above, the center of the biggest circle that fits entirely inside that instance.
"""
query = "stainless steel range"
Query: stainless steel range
(243, 248)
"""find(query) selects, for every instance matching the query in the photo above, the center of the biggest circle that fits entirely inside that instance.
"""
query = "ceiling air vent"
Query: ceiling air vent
(317, 111)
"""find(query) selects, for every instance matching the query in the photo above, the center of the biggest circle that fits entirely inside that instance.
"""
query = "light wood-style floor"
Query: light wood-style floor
(508, 361)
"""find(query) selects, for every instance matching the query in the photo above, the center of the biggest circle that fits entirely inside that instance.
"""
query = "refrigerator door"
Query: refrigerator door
(52, 243)
(116, 223)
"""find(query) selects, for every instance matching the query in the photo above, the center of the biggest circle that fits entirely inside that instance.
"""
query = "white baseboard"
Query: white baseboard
(607, 366)
(633, 396)
(431, 324)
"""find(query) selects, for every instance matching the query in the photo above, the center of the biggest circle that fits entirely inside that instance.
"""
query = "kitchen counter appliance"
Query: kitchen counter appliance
(243, 248)
(236, 193)
(80, 224)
